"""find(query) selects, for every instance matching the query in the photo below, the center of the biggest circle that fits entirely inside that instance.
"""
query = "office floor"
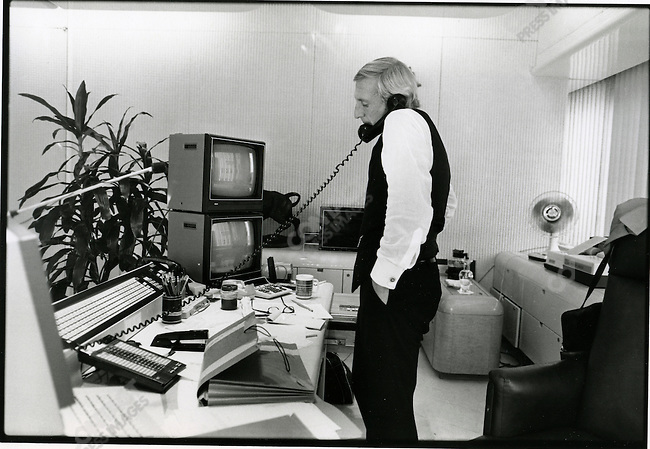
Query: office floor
(447, 407)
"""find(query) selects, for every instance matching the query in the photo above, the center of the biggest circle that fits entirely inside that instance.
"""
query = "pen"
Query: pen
(302, 305)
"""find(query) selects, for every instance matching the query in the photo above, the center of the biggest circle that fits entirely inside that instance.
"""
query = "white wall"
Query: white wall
(282, 73)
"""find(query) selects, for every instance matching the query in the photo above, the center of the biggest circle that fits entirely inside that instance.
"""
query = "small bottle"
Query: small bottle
(455, 263)
(228, 296)
(465, 277)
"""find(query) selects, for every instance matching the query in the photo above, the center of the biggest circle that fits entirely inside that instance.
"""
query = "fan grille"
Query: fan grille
(552, 212)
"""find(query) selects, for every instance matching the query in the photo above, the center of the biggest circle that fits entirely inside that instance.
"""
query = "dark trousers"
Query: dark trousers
(386, 348)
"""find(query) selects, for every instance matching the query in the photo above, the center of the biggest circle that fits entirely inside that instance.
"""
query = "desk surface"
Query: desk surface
(177, 412)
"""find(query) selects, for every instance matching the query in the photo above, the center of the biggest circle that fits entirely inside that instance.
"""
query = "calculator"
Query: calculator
(271, 291)
(148, 369)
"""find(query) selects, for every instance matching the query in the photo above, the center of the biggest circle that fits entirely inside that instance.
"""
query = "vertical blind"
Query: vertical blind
(605, 152)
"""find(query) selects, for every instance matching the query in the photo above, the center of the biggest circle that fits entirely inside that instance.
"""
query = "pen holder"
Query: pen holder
(172, 309)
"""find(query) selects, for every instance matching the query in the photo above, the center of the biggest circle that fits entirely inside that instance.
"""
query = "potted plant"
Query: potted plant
(86, 236)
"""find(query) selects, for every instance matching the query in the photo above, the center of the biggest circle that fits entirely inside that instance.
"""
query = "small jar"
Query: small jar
(465, 276)
(455, 263)
(228, 296)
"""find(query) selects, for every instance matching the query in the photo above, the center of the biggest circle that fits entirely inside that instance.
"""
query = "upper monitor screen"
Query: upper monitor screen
(233, 171)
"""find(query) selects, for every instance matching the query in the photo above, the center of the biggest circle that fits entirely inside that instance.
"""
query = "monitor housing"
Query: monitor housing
(215, 247)
(215, 174)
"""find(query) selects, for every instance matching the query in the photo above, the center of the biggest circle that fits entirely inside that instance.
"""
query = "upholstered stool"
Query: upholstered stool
(465, 335)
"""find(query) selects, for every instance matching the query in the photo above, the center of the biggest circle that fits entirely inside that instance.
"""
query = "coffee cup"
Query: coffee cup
(306, 285)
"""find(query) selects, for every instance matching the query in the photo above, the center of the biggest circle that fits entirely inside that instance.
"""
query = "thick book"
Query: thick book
(273, 373)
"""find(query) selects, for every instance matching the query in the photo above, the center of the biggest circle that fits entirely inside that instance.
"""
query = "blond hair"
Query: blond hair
(393, 78)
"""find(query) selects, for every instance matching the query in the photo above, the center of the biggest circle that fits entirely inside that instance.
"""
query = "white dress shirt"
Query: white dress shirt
(407, 159)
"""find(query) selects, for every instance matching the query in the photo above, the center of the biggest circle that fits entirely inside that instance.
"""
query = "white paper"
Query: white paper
(586, 245)
(110, 412)
(299, 320)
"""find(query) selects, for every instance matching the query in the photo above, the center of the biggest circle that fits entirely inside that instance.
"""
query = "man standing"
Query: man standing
(407, 199)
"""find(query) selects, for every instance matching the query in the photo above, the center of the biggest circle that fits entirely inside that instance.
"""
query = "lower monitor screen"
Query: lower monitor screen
(232, 246)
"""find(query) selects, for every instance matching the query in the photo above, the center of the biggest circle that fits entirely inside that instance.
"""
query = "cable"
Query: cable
(289, 221)
(278, 345)
(486, 273)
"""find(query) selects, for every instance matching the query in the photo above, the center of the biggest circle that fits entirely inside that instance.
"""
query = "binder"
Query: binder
(270, 374)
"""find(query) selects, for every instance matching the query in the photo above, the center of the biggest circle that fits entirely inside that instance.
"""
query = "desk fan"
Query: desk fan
(552, 213)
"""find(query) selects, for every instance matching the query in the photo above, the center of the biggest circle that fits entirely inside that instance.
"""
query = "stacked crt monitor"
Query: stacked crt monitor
(215, 201)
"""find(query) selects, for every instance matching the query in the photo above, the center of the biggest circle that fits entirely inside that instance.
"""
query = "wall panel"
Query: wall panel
(37, 66)
(502, 128)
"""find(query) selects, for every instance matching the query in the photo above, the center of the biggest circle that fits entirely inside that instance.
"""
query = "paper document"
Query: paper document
(113, 412)
(300, 320)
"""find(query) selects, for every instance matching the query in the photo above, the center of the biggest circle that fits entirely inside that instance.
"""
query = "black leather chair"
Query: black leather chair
(601, 398)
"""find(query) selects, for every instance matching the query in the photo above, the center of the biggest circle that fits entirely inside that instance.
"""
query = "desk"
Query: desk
(177, 414)
(335, 267)
(534, 299)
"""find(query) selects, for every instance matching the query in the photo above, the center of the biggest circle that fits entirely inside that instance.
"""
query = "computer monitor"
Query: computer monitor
(340, 228)
(214, 247)
(215, 174)
(37, 381)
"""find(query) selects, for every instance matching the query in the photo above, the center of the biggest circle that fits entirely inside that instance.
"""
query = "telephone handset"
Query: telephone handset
(369, 132)
(366, 134)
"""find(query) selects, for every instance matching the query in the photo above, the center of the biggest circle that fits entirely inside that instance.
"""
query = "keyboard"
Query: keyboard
(149, 370)
(84, 315)
(270, 291)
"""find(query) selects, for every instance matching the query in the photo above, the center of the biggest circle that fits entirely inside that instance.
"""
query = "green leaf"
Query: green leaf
(65, 122)
(47, 225)
(52, 109)
(53, 144)
(110, 264)
(81, 106)
(80, 165)
(55, 259)
(94, 272)
(137, 216)
(33, 190)
(125, 188)
(158, 143)
(59, 289)
(79, 272)
(99, 105)
(128, 126)
(81, 237)
(112, 234)
(159, 197)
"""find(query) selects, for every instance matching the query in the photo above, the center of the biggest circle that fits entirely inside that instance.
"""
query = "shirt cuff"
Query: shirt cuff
(386, 274)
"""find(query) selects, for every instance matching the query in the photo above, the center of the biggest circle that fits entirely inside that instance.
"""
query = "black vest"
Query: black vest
(374, 215)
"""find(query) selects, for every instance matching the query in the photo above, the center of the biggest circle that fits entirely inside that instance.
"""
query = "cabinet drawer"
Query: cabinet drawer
(331, 275)
(347, 281)
(538, 342)
(511, 318)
